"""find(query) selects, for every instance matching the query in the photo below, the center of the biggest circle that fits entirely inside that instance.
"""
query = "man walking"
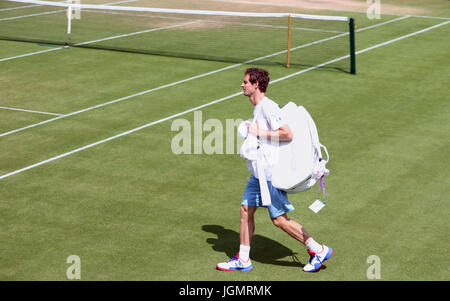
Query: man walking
(269, 128)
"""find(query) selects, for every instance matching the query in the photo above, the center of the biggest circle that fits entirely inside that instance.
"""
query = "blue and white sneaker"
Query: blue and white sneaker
(235, 264)
(317, 259)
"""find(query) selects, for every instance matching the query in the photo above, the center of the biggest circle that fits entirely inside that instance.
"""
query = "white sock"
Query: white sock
(313, 246)
(244, 252)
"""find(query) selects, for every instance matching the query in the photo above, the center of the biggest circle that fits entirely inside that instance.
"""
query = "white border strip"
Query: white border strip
(33, 15)
(186, 11)
(211, 21)
(28, 6)
(18, 7)
(323, 8)
(30, 111)
(211, 103)
(48, 12)
(181, 81)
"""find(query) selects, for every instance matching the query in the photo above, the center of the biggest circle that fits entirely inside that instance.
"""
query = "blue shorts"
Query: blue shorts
(252, 197)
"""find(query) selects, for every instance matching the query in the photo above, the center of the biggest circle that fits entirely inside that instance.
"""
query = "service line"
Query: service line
(184, 80)
(212, 103)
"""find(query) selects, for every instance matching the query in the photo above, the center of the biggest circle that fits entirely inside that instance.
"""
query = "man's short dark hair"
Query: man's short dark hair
(260, 76)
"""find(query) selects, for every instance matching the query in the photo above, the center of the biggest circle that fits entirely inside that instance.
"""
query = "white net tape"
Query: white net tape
(297, 40)
(182, 11)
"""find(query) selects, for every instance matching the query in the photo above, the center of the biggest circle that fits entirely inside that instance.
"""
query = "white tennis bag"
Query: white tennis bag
(300, 163)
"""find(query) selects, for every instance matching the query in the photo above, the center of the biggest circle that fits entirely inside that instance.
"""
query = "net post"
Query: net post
(352, 46)
(288, 59)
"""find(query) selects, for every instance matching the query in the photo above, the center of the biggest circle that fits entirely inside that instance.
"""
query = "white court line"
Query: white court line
(49, 12)
(30, 111)
(365, 50)
(324, 8)
(212, 21)
(59, 48)
(129, 96)
(94, 41)
(32, 15)
(187, 79)
(52, 49)
(28, 6)
(19, 7)
(31, 53)
(135, 33)
(211, 103)
(62, 47)
(430, 17)
(403, 37)
(383, 23)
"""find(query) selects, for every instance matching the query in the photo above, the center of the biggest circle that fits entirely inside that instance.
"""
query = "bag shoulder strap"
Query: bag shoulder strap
(313, 132)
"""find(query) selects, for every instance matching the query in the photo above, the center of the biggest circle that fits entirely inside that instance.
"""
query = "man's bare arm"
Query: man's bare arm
(284, 133)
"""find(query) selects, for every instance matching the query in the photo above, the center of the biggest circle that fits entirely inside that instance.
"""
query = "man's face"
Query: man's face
(247, 86)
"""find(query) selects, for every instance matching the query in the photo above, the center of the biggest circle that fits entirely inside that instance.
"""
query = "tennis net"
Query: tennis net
(238, 37)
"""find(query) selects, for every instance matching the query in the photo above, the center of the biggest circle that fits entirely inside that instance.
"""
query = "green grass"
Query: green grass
(133, 210)
(204, 37)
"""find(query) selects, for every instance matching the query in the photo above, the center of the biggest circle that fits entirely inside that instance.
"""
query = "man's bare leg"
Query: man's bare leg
(247, 224)
(318, 253)
(242, 262)
(292, 228)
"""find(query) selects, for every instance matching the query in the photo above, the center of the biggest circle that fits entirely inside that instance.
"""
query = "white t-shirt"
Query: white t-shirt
(267, 114)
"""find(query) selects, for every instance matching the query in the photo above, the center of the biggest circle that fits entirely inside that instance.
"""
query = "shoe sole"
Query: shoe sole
(247, 269)
(326, 258)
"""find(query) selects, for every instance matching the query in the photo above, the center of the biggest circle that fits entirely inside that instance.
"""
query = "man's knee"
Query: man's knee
(247, 211)
(279, 221)
(244, 211)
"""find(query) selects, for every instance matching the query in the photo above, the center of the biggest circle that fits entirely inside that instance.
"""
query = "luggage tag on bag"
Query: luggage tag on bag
(318, 204)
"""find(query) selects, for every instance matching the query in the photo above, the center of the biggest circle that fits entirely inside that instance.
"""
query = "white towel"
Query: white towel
(251, 150)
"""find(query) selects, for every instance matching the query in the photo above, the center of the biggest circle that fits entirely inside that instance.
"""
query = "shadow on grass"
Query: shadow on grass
(264, 250)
